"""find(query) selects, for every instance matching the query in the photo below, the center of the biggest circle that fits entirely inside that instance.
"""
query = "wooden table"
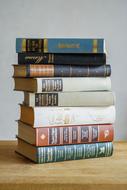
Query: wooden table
(18, 173)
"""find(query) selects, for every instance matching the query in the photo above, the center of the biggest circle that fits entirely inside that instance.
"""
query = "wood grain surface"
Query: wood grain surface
(18, 173)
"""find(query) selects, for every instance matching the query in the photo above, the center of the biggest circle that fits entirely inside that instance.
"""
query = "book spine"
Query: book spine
(63, 71)
(73, 59)
(64, 116)
(69, 99)
(50, 85)
(60, 45)
(46, 99)
(74, 135)
(65, 84)
(73, 84)
(73, 152)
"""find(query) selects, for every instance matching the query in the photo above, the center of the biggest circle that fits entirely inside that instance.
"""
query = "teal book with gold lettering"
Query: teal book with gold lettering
(60, 45)
(63, 153)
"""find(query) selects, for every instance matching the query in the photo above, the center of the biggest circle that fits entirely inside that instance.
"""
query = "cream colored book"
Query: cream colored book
(62, 116)
(68, 99)
(67, 84)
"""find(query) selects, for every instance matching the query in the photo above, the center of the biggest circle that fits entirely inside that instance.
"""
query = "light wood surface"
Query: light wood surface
(18, 173)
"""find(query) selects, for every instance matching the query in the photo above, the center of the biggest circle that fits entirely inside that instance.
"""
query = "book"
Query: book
(60, 45)
(102, 98)
(57, 116)
(65, 84)
(49, 136)
(61, 59)
(63, 153)
(35, 70)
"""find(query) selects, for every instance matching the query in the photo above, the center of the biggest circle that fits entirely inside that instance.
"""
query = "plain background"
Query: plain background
(62, 18)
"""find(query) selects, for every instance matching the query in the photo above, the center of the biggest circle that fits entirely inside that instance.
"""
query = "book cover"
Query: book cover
(79, 134)
(61, 71)
(60, 45)
(102, 98)
(62, 116)
(65, 84)
(62, 59)
(63, 153)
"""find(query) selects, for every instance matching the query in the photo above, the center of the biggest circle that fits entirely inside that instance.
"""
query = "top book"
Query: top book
(60, 45)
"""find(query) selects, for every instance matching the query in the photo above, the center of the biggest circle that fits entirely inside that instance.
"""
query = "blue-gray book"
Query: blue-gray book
(60, 45)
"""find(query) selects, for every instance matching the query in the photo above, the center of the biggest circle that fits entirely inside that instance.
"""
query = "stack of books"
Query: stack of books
(68, 109)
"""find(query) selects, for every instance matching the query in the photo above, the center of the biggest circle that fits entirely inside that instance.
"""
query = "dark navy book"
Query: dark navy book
(61, 59)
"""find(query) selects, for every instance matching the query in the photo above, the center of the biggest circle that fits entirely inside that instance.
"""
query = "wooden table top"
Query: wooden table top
(18, 173)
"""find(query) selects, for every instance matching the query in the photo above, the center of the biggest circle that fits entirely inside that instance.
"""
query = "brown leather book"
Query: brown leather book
(80, 134)
(35, 70)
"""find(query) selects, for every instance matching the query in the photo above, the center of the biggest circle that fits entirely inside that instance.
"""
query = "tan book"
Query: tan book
(65, 84)
(102, 98)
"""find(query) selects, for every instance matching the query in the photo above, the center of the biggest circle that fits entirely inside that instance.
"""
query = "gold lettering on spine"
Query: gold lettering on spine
(23, 45)
(62, 45)
(95, 43)
(45, 45)
(49, 59)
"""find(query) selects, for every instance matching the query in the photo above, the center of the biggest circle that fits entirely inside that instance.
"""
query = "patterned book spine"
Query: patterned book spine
(73, 152)
(60, 45)
(74, 135)
(62, 71)
(73, 59)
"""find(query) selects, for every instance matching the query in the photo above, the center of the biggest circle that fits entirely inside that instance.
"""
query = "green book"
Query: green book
(64, 153)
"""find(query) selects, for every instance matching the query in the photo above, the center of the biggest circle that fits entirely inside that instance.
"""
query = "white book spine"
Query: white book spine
(60, 116)
(72, 84)
(101, 98)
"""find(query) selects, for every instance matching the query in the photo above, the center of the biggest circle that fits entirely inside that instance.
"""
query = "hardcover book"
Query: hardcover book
(61, 59)
(60, 45)
(102, 98)
(61, 71)
(57, 116)
(63, 153)
(79, 134)
(66, 84)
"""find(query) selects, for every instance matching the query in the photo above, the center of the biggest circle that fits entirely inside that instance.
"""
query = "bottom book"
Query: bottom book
(64, 153)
